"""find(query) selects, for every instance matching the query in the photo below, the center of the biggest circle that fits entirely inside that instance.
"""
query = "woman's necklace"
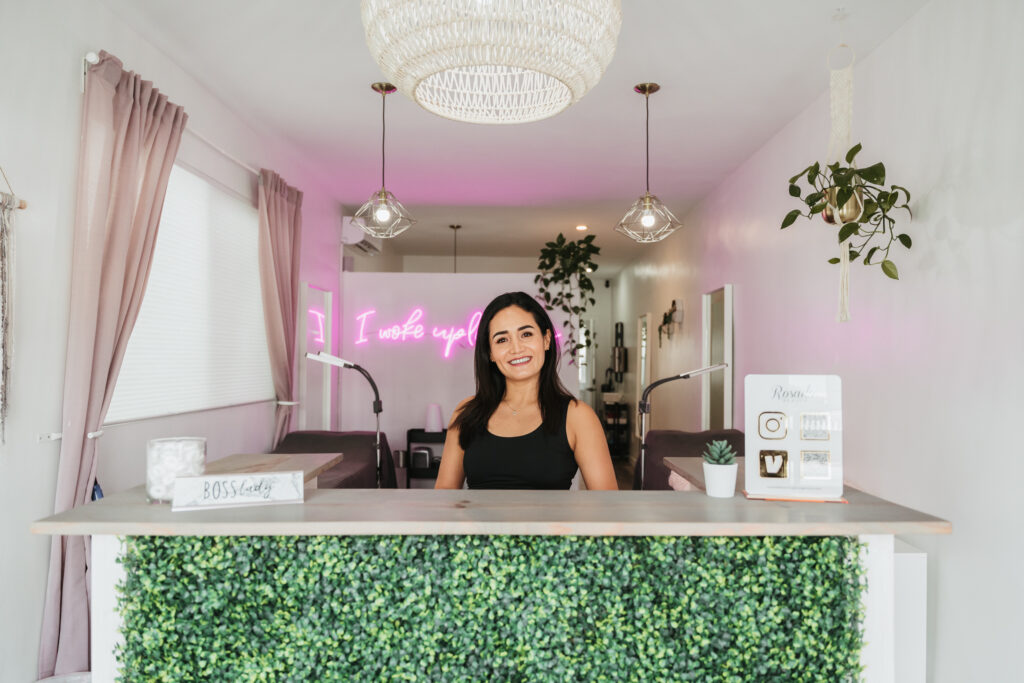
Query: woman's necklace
(514, 411)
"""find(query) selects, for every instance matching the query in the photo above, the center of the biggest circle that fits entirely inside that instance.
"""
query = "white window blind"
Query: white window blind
(199, 341)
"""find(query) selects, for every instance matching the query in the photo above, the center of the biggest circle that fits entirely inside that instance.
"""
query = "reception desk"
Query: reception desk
(627, 576)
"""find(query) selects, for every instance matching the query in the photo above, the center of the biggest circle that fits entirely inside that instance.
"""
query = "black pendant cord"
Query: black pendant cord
(383, 133)
(647, 134)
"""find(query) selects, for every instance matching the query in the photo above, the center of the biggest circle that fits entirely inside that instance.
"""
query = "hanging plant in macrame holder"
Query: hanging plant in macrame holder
(851, 198)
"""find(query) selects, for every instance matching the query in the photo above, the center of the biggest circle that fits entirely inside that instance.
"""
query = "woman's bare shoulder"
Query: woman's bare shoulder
(580, 410)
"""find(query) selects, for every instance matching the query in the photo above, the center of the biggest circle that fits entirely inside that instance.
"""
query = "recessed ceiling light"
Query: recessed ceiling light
(581, 227)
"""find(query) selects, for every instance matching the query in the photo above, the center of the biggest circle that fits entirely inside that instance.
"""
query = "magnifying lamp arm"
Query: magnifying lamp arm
(327, 358)
(644, 408)
(378, 407)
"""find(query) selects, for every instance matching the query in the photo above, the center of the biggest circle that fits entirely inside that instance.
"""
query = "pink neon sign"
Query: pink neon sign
(413, 329)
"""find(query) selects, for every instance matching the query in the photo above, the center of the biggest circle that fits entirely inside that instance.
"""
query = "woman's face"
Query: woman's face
(517, 346)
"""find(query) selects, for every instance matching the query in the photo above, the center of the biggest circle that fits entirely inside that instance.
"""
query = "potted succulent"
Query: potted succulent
(719, 469)
(857, 201)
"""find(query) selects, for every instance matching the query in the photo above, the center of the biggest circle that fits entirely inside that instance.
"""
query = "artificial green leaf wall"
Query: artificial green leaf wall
(491, 608)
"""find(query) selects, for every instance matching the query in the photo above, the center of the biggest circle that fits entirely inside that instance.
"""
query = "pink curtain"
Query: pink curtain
(130, 136)
(280, 239)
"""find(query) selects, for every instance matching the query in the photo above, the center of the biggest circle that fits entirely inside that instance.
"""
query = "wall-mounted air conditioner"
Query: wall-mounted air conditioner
(357, 241)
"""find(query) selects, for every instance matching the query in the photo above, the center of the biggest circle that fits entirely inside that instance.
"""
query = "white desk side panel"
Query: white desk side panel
(911, 618)
(106, 573)
(878, 655)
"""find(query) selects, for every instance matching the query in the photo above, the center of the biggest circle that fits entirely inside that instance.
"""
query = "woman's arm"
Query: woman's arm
(450, 474)
(586, 437)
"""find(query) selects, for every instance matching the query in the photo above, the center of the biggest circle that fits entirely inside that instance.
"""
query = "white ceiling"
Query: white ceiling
(732, 72)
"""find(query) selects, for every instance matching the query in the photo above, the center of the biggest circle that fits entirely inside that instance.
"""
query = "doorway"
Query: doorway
(716, 387)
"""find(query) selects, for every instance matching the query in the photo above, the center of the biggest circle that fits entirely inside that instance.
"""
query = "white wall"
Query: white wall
(414, 373)
(40, 111)
(930, 364)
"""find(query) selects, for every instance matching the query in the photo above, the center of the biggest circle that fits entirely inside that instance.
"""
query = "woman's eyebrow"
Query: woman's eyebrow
(521, 328)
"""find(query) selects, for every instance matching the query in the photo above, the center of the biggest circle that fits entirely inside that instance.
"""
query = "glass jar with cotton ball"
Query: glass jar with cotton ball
(168, 459)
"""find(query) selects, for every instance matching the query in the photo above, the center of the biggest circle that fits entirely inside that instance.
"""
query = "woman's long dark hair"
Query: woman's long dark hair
(490, 383)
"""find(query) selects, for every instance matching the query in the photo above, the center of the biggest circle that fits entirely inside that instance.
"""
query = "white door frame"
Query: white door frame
(307, 404)
(727, 374)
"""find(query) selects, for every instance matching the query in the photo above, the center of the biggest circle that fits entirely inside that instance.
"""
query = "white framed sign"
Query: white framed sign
(237, 490)
(793, 441)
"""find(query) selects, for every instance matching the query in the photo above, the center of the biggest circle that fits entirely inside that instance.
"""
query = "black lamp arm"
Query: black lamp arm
(645, 405)
(377, 405)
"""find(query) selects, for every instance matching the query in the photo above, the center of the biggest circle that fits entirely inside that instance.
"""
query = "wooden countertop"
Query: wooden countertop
(311, 464)
(356, 512)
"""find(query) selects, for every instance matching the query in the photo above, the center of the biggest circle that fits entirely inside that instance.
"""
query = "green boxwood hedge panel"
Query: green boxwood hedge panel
(491, 608)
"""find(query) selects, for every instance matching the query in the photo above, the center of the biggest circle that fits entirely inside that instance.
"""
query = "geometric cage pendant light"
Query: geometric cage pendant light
(493, 61)
(383, 215)
(648, 220)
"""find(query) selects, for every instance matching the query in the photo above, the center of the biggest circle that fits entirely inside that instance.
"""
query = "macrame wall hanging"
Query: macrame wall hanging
(839, 141)
(852, 198)
(8, 204)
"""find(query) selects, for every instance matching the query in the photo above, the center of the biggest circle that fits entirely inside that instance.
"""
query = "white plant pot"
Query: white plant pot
(720, 480)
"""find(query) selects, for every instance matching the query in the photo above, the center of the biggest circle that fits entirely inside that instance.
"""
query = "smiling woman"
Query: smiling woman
(522, 429)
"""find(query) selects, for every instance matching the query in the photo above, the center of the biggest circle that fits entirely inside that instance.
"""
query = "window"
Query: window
(199, 341)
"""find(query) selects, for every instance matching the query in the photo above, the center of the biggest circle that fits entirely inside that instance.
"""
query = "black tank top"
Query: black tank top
(538, 460)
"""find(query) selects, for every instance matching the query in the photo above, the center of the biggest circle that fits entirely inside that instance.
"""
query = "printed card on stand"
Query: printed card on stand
(793, 437)
(237, 490)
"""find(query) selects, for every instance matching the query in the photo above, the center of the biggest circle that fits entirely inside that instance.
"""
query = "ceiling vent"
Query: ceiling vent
(356, 241)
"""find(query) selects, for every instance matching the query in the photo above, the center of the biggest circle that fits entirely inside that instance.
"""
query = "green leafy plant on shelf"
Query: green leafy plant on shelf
(857, 201)
(564, 285)
(719, 453)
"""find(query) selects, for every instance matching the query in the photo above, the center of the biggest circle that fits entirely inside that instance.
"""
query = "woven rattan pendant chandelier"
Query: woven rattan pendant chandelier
(383, 215)
(648, 220)
(499, 61)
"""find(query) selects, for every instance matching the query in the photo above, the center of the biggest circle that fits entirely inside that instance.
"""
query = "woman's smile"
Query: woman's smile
(516, 345)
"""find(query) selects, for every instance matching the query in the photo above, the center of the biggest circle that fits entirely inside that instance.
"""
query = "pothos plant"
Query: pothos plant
(855, 199)
(564, 286)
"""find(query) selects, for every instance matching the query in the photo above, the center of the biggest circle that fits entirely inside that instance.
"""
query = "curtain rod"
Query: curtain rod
(222, 152)
(93, 58)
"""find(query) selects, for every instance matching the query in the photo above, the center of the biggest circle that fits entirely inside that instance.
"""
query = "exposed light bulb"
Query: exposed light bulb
(589, 269)
(647, 220)
(383, 214)
(581, 228)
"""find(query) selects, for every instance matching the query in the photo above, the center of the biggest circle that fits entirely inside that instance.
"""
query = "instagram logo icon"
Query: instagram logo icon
(772, 425)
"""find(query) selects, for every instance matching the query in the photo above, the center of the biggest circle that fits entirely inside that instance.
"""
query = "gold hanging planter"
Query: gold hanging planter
(850, 211)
